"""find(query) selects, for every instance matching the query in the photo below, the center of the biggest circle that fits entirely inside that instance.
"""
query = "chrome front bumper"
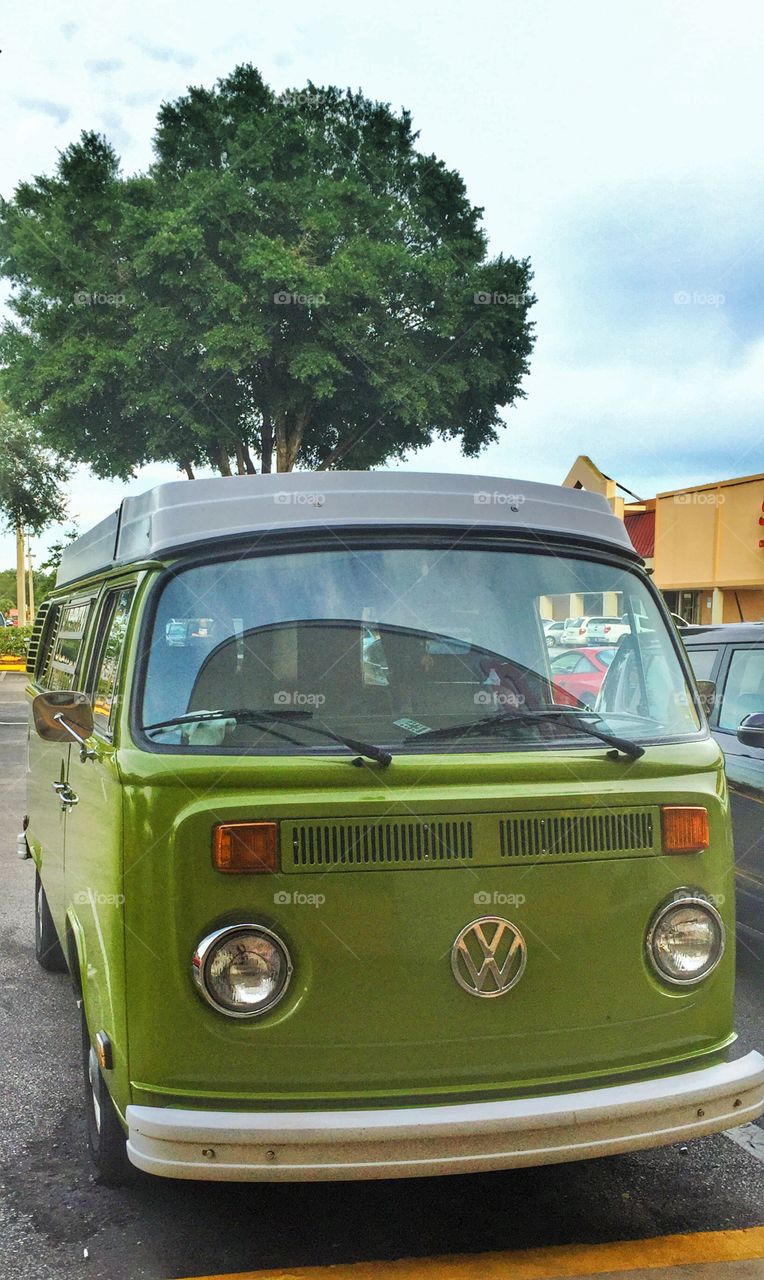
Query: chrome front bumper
(294, 1146)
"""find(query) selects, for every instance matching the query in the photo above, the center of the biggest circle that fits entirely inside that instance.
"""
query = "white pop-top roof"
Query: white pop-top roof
(175, 517)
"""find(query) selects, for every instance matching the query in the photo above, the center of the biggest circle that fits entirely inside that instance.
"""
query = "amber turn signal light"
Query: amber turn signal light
(685, 828)
(239, 848)
(104, 1054)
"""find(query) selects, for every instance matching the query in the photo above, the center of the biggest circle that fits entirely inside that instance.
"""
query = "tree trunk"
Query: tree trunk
(281, 442)
(224, 464)
(241, 466)
(248, 463)
(289, 435)
(185, 465)
(266, 450)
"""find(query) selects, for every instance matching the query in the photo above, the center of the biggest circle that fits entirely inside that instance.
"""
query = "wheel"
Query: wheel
(106, 1137)
(47, 947)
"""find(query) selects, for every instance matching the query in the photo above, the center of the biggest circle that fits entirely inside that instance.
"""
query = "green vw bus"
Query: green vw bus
(347, 884)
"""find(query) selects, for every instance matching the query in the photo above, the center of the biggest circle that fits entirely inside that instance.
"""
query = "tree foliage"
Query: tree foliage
(31, 476)
(290, 281)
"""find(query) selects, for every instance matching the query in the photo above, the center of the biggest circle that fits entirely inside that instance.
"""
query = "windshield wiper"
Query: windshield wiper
(505, 718)
(267, 718)
(238, 713)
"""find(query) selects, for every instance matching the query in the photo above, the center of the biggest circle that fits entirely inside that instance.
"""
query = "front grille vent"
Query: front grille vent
(533, 836)
(382, 843)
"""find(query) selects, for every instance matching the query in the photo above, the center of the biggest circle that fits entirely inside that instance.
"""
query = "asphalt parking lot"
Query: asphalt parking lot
(56, 1222)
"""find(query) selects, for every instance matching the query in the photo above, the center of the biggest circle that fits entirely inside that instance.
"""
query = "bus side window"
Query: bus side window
(114, 619)
(62, 661)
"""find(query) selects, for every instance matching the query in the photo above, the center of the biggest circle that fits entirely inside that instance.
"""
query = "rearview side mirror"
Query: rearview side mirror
(64, 716)
(751, 730)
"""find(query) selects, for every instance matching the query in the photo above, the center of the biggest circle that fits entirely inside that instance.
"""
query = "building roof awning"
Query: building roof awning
(640, 526)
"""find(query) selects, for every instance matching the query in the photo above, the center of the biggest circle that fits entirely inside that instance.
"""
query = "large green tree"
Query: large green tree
(290, 283)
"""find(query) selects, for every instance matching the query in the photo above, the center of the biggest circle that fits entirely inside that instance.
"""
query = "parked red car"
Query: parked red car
(578, 674)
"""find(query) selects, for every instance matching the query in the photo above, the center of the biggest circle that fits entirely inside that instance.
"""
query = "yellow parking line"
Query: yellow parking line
(539, 1264)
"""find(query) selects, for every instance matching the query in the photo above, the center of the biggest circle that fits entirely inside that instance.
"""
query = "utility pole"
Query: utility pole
(21, 595)
(30, 581)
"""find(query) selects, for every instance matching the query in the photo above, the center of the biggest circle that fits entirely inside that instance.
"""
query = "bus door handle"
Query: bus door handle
(65, 794)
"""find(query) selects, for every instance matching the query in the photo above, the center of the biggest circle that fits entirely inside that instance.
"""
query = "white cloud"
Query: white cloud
(652, 429)
(46, 107)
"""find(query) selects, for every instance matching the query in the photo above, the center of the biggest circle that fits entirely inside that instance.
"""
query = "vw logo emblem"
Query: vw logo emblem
(488, 957)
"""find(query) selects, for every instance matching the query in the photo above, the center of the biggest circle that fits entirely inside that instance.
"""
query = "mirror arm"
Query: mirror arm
(86, 752)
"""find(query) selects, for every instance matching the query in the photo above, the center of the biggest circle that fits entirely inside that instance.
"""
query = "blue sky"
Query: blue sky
(619, 146)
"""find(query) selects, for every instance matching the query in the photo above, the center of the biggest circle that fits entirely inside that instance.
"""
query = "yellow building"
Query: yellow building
(709, 549)
(704, 544)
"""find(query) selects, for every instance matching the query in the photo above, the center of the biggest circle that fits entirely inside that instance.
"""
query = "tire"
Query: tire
(106, 1137)
(47, 948)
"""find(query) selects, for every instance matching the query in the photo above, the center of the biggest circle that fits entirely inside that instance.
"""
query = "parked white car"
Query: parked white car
(598, 629)
(607, 630)
(593, 629)
(553, 632)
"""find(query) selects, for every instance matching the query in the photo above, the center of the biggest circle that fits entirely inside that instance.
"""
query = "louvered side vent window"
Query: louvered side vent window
(35, 640)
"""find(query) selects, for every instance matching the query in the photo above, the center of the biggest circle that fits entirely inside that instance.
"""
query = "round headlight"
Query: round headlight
(242, 971)
(685, 941)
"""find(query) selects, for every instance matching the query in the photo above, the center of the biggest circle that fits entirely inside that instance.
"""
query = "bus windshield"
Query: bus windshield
(414, 648)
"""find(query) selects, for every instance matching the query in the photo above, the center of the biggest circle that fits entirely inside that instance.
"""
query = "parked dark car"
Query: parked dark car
(731, 656)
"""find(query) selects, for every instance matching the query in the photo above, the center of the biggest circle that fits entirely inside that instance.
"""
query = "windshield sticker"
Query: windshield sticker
(411, 726)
